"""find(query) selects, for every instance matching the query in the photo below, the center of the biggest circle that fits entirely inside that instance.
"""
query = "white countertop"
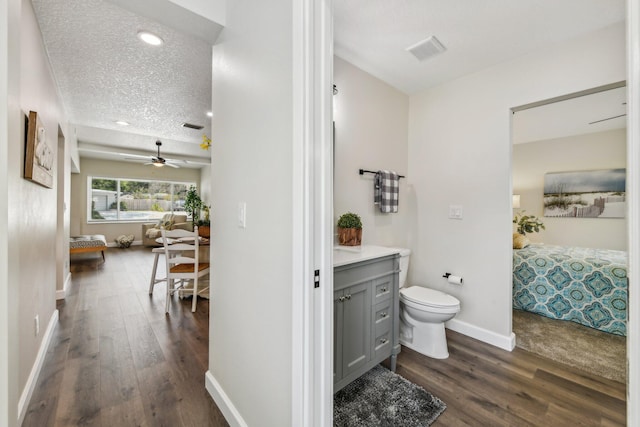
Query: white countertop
(343, 255)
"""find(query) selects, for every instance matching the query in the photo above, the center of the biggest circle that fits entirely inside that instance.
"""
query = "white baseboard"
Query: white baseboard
(225, 405)
(27, 392)
(61, 294)
(501, 341)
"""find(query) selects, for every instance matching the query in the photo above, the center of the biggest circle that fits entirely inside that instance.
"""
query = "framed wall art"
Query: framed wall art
(39, 159)
(586, 194)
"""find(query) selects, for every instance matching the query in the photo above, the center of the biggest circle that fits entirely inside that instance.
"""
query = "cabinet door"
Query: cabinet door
(356, 331)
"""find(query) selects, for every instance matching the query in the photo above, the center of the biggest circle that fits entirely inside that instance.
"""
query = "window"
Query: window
(113, 199)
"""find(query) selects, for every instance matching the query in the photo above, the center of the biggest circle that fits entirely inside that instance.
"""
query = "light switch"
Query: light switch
(242, 215)
(455, 211)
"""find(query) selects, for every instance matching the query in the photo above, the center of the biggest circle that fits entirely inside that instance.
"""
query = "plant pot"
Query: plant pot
(204, 230)
(350, 236)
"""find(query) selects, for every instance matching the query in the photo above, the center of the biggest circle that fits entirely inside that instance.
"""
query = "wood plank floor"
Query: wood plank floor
(485, 386)
(117, 360)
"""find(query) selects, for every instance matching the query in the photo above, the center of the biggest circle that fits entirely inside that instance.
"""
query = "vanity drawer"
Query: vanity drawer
(382, 316)
(383, 289)
(382, 345)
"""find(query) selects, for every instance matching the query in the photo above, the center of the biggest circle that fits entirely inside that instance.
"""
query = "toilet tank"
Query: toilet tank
(405, 254)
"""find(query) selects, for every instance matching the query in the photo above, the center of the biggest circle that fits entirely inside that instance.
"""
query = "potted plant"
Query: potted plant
(193, 204)
(350, 229)
(525, 224)
(204, 225)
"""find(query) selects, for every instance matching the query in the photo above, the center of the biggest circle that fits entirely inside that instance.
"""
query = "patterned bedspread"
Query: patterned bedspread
(587, 286)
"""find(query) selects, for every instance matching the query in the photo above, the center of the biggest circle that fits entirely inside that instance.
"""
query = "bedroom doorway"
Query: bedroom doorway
(569, 280)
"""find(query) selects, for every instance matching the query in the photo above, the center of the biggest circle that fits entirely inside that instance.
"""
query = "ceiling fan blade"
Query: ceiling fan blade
(172, 165)
(608, 118)
(129, 156)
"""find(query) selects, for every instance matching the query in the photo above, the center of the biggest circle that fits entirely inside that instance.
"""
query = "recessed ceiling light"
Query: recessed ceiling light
(150, 38)
(122, 123)
(210, 113)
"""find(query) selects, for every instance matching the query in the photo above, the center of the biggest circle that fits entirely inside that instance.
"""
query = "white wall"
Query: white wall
(460, 154)
(371, 131)
(112, 169)
(531, 161)
(210, 9)
(205, 185)
(63, 223)
(10, 132)
(250, 346)
(32, 209)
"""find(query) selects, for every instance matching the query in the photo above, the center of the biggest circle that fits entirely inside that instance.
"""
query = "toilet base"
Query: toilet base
(428, 339)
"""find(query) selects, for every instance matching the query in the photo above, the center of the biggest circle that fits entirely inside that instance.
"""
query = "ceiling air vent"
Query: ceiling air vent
(427, 48)
(192, 126)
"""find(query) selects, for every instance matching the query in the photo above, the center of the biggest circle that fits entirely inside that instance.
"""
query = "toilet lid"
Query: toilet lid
(426, 296)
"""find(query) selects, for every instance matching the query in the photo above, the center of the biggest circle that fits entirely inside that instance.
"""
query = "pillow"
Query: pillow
(520, 241)
(153, 233)
(167, 225)
(165, 218)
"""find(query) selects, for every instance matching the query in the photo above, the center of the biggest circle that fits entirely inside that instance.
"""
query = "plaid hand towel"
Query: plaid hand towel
(385, 192)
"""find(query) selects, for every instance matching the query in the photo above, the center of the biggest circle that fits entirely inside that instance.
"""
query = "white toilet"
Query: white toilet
(423, 312)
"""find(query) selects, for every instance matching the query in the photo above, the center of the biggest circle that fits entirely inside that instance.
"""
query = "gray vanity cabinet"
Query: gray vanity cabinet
(365, 313)
(353, 340)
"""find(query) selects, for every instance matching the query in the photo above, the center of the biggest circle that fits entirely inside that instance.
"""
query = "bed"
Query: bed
(587, 286)
(88, 243)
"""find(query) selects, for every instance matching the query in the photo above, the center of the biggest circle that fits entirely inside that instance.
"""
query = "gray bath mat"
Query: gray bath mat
(383, 398)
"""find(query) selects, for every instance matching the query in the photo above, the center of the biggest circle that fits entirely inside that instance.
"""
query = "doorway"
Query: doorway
(568, 305)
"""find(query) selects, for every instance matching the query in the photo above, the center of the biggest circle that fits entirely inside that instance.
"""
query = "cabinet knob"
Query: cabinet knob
(383, 289)
(383, 341)
(341, 299)
(348, 296)
(383, 314)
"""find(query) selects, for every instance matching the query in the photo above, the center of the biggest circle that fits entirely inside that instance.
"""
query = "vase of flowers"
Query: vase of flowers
(525, 224)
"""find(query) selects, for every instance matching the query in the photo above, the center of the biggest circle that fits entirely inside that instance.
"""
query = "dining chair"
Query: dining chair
(157, 252)
(182, 257)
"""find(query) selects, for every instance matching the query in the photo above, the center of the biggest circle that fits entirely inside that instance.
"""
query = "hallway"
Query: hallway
(116, 360)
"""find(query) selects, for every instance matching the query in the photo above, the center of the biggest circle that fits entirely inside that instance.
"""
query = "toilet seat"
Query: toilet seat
(428, 297)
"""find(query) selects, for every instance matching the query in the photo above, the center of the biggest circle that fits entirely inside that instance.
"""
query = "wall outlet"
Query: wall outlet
(36, 325)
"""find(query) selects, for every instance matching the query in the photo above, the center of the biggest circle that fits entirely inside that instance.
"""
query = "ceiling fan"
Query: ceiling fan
(159, 161)
(609, 118)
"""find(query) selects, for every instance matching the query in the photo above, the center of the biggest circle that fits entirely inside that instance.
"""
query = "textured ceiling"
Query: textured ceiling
(105, 73)
(373, 34)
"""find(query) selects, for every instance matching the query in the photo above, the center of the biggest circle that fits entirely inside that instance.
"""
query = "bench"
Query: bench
(88, 243)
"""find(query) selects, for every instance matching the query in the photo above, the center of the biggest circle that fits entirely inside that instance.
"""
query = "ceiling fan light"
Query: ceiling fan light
(150, 38)
(158, 164)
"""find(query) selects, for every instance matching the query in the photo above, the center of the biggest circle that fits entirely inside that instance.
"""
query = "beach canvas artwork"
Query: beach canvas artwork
(586, 194)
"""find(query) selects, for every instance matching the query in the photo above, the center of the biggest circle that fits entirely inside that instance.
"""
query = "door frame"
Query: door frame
(312, 166)
(633, 189)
